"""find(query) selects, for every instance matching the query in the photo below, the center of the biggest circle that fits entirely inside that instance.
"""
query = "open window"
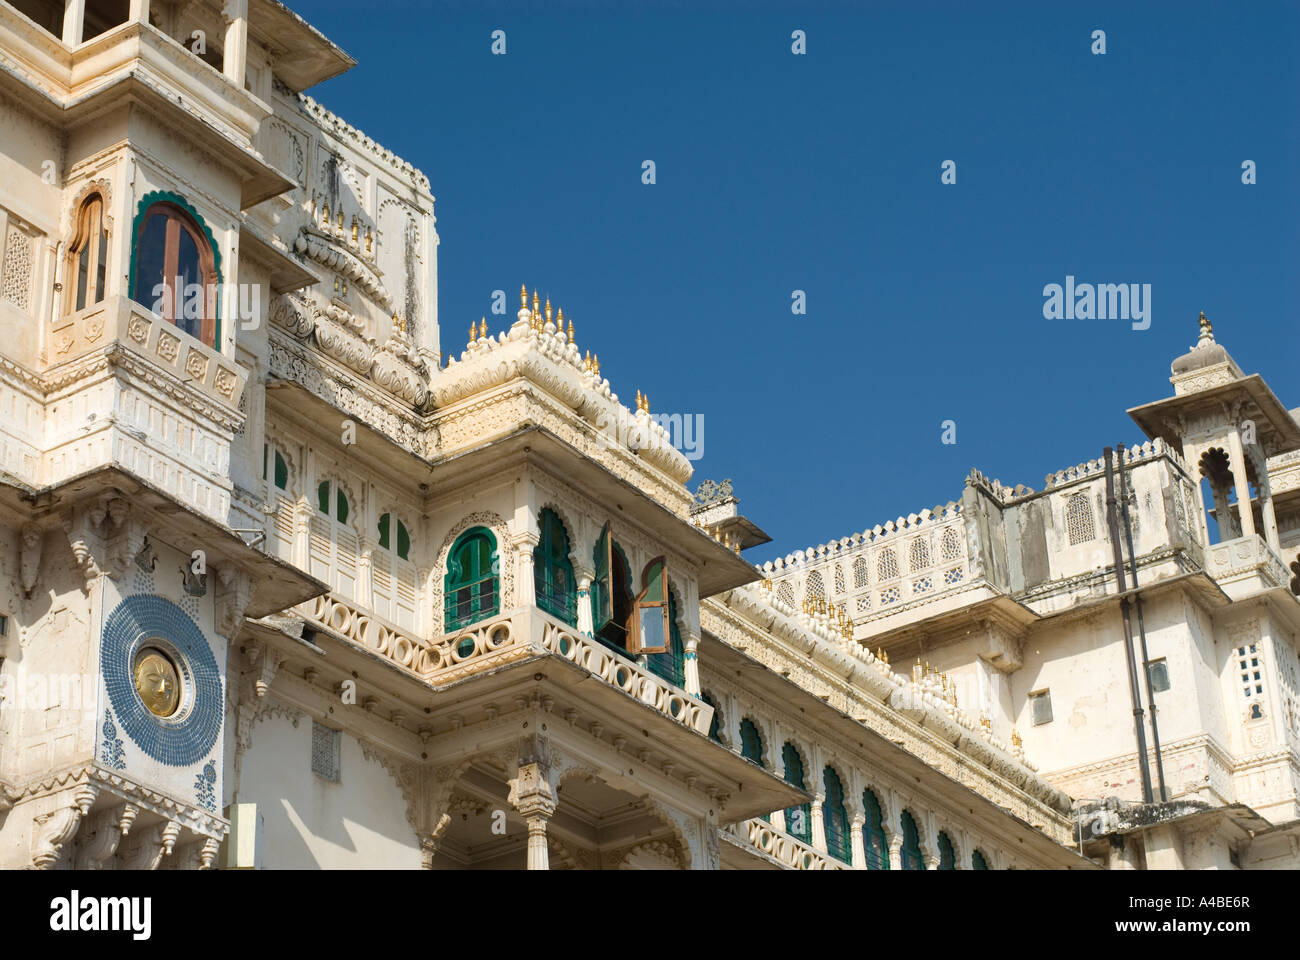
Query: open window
(648, 627)
(602, 594)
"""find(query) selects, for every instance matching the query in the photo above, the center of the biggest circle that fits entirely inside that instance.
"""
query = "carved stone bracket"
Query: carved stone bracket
(232, 599)
(29, 558)
(57, 827)
(106, 830)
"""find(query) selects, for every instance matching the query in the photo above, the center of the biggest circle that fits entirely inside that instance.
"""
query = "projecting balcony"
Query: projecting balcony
(516, 635)
(790, 852)
(126, 388)
(136, 63)
(1245, 566)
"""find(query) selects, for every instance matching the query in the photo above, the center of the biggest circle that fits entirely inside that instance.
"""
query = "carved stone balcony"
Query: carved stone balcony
(787, 850)
(120, 387)
(486, 646)
(1245, 565)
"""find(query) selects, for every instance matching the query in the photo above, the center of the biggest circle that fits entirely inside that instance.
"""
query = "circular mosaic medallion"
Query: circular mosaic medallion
(162, 679)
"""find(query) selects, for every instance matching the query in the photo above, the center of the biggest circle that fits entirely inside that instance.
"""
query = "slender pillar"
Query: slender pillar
(539, 857)
(895, 851)
(525, 586)
(859, 849)
(1244, 510)
(532, 794)
(74, 20)
(234, 60)
(692, 666)
(139, 11)
(818, 823)
(585, 577)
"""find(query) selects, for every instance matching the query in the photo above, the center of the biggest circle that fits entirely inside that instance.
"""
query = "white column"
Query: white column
(234, 60)
(895, 849)
(74, 19)
(1244, 510)
(139, 11)
(818, 823)
(859, 849)
(525, 586)
(585, 577)
(692, 666)
(539, 858)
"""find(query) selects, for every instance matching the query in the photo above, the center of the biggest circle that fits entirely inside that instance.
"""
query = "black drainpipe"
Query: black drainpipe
(1142, 632)
(1135, 696)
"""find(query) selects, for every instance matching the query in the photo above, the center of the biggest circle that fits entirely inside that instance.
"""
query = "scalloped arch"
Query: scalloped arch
(166, 196)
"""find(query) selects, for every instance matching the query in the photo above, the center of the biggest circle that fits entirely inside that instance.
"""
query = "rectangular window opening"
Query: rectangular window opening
(1041, 703)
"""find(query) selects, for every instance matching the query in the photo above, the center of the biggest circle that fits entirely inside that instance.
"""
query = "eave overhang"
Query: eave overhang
(1275, 429)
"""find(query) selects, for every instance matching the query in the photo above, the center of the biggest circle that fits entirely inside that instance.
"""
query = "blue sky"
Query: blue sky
(821, 173)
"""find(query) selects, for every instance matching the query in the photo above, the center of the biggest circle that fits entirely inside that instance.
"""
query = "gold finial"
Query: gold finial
(399, 324)
(471, 333)
(536, 303)
(638, 400)
(523, 297)
(559, 319)
(647, 403)
(595, 365)
(885, 657)
(354, 228)
(586, 362)
(548, 309)
(482, 327)
(370, 241)
(325, 215)
(1015, 739)
(571, 331)
(1207, 330)
(340, 219)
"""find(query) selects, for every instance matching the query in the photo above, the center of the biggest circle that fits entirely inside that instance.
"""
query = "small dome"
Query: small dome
(1206, 353)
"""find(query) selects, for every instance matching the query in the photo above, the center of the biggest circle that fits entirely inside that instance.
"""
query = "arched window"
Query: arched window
(918, 554)
(873, 833)
(671, 666)
(859, 572)
(275, 471)
(947, 855)
(1078, 519)
(86, 268)
(470, 588)
(798, 820)
(911, 852)
(553, 579)
(174, 270)
(887, 565)
(333, 542)
(751, 741)
(835, 817)
(978, 861)
(715, 725)
(392, 573)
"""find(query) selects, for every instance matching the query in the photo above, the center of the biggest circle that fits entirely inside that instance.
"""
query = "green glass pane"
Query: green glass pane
(654, 582)
(383, 530)
(281, 472)
(651, 620)
(323, 497)
(342, 514)
(403, 541)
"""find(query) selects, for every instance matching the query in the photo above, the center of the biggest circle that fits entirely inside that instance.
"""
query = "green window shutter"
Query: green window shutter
(281, 472)
(403, 541)
(751, 742)
(384, 522)
(342, 501)
(471, 589)
(648, 627)
(911, 852)
(835, 817)
(873, 833)
(798, 820)
(602, 592)
(715, 724)
(555, 585)
(323, 497)
(947, 856)
(977, 861)
(265, 449)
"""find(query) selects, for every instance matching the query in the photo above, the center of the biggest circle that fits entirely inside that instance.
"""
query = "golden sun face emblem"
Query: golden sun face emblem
(157, 682)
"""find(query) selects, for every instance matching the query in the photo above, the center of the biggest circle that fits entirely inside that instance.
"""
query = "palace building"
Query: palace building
(290, 579)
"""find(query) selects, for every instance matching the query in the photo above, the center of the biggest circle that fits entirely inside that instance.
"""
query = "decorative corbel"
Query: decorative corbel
(58, 826)
(109, 826)
(33, 539)
(265, 663)
(147, 850)
(79, 529)
(124, 536)
(232, 599)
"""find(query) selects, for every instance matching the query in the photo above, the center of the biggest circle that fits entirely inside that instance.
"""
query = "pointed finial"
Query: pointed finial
(1015, 738)
(638, 401)
(482, 327)
(1207, 330)
(536, 304)
(548, 309)
(471, 333)
(595, 365)
(586, 362)
(571, 331)
(523, 297)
